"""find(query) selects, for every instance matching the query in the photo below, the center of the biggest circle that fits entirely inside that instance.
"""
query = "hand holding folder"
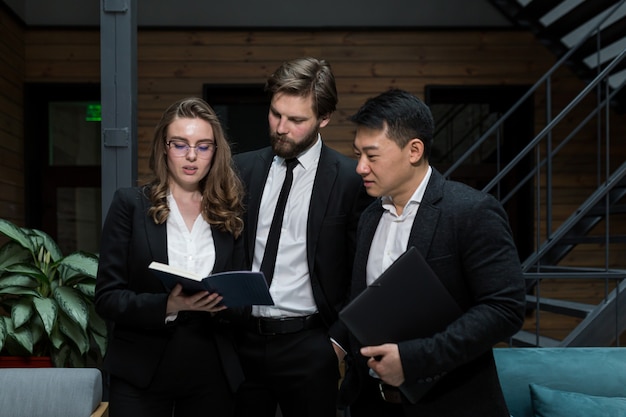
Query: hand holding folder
(408, 301)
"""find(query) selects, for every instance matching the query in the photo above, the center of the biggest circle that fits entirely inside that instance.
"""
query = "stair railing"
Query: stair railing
(604, 94)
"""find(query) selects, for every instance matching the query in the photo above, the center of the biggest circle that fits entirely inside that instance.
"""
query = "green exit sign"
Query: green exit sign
(93, 113)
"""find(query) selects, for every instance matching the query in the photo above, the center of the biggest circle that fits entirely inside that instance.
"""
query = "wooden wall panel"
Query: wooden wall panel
(176, 63)
(365, 63)
(11, 118)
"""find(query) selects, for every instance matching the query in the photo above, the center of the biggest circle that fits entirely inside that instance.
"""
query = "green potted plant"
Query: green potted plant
(47, 300)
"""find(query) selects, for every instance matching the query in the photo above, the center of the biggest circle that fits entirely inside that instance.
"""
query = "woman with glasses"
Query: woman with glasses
(167, 354)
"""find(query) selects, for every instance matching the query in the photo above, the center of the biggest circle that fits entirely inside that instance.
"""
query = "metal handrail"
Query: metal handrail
(534, 271)
(548, 128)
(545, 78)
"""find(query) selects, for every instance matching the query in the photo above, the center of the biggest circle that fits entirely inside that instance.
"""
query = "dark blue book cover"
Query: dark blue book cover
(239, 288)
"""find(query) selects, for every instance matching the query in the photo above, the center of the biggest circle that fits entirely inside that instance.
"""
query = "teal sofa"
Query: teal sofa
(554, 382)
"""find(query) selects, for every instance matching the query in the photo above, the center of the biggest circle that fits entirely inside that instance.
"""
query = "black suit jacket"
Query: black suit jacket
(133, 300)
(337, 200)
(465, 237)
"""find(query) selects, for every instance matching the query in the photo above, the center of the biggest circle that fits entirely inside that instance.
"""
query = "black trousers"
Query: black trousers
(452, 396)
(370, 403)
(297, 371)
(189, 382)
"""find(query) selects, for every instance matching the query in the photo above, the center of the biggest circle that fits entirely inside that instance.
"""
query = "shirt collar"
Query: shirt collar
(416, 198)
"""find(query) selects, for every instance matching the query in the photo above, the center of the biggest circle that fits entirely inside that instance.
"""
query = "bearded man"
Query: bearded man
(288, 358)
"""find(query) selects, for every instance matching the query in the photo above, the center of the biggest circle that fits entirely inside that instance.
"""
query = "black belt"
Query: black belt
(284, 325)
(390, 393)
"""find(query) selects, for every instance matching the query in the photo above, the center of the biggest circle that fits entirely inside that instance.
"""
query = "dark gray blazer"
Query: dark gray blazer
(465, 237)
(337, 200)
(133, 300)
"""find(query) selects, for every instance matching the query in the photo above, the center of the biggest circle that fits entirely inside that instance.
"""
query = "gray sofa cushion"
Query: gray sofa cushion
(50, 392)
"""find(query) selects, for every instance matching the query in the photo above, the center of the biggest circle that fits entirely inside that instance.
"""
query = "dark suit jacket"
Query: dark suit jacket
(133, 300)
(337, 200)
(465, 237)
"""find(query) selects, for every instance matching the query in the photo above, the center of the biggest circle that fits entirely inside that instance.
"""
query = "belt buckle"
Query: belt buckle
(260, 329)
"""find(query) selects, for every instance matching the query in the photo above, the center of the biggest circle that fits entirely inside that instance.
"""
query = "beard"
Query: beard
(287, 148)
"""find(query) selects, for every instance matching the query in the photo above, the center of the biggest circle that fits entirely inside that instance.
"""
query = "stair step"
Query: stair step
(532, 12)
(525, 338)
(600, 210)
(565, 307)
(579, 240)
(576, 17)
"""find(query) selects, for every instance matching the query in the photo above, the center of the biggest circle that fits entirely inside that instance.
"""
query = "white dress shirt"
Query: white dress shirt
(193, 250)
(392, 234)
(291, 285)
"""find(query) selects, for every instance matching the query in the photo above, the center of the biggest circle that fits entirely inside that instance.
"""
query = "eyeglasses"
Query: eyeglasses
(181, 148)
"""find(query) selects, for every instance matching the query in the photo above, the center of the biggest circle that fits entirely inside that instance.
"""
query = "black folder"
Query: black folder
(407, 301)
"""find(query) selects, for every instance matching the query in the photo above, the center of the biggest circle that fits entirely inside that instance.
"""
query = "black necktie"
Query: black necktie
(271, 246)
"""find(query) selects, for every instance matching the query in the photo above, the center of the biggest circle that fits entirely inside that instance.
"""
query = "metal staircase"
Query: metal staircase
(563, 25)
(589, 37)
(602, 322)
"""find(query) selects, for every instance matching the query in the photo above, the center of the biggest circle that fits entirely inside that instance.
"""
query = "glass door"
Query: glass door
(63, 165)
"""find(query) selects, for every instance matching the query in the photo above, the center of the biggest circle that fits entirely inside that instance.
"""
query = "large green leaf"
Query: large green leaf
(57, 360)
(74, 333)
(21, 312)
(8, 344)
(73, 304)
(3, 331)
(12, 253)
(69, 356)
(96, 323)
(19, 291)
(60, 357)
(39, 333)
(18, 280)
(57, 338)
(23, 336)
(26, 269)
(81, 262)
(17, 234)
(42, 281)
(88, 289)
(33, 268)
(47, 310)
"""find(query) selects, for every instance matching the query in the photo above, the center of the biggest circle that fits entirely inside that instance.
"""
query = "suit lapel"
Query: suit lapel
(221, 243)
(156, 237)
(425, 223)
(367, 228)
(320, 196)
(325, 178)
(258, 176)
(422, 230)
(156, 234)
